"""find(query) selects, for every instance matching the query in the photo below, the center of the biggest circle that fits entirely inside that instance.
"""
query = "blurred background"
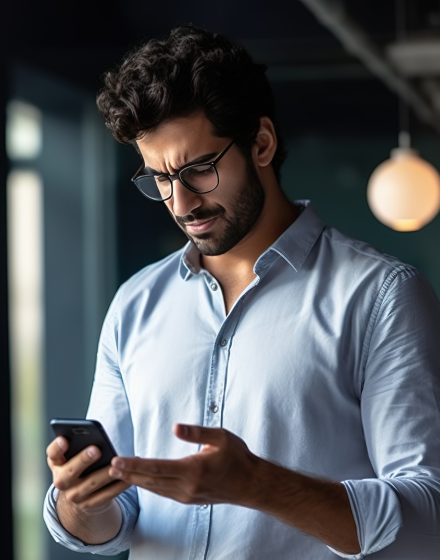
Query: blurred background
(73, 226)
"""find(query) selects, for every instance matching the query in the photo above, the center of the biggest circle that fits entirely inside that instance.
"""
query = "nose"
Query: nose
(184, 201)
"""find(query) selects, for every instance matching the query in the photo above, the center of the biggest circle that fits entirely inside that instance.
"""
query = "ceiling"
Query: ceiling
(79, 40)
(51, 23)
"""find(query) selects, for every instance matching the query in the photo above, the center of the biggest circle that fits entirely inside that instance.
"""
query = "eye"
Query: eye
(199, 170)
(161, 178)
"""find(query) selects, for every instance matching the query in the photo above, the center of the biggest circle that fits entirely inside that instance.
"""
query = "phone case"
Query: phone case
(81, 434)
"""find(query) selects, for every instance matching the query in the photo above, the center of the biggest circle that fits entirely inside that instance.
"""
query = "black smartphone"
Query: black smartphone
(82, 433)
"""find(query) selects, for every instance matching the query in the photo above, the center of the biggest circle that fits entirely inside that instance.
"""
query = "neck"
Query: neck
(236, 266)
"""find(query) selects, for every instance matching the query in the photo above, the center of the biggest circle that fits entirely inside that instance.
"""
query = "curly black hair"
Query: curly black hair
(191, 70)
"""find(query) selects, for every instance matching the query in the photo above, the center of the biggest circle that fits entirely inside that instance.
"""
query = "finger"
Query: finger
(66, 475)
(55, 451)
(201, 435)
(175, 491)
(173, 488)
(103, 496)
(86, 486)
(150, 467)
(163, 483)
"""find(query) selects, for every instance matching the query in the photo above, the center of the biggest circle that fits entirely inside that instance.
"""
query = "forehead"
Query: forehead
(178, 138)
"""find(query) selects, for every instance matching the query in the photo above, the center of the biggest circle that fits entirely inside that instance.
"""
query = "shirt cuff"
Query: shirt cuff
(61, 536)
(377, 514)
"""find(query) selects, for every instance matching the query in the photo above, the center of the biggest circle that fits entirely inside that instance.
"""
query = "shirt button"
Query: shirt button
(214, 407)
(223, 342)
(205, 506)
(213, 286)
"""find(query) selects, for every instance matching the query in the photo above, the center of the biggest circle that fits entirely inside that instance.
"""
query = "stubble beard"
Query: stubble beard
(247, 208)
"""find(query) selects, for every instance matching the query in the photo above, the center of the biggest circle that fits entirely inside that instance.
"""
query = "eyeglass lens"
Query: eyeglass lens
(156, 188)
(200, 178)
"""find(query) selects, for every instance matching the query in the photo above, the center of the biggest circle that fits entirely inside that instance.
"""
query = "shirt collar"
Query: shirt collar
(293, 245)
(189, 261)
(297, 241)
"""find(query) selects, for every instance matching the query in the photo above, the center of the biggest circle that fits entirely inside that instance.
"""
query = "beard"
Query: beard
(246, 209)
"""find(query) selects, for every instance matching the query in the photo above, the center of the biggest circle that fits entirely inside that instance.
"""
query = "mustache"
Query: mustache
(199, 215)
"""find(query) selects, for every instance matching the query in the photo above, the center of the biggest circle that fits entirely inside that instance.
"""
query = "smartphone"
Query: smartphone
(82, 433)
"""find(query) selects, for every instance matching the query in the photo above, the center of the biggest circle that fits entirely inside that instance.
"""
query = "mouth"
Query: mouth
(200, 226)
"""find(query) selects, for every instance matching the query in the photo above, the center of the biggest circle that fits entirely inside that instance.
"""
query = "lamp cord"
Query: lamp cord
(403, 116)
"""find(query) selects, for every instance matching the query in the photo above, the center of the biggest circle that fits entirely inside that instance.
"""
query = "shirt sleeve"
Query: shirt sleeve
(109, 405)
(400, 408)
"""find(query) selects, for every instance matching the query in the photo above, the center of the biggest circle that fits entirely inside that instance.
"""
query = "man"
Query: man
(278, 382)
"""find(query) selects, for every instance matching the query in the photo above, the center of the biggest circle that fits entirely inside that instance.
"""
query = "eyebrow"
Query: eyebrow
(207, 158)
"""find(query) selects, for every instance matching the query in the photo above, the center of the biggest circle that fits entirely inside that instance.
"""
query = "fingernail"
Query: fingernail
(115, 473)
(184, 430)
(118, 463)
(61, 444)
(92, 452)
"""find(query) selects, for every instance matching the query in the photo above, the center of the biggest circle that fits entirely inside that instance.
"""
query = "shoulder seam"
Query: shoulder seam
(378, 256)
(383, 291)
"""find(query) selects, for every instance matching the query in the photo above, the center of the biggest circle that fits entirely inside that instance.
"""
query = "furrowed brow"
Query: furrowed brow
(151, 171)
(202, 159)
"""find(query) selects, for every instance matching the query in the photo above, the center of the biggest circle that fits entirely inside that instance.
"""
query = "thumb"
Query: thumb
(200, 434)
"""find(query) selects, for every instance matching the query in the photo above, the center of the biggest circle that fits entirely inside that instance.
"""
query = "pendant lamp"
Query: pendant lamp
(404, 191)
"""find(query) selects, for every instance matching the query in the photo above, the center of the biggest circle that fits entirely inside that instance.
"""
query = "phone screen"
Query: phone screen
(82, 433)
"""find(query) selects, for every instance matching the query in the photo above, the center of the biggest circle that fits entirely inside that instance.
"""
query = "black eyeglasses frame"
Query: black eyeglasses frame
(178, 175)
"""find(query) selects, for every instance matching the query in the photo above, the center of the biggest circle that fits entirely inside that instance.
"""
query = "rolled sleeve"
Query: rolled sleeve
(63, 537)
(377, 515)
(400, 407)
(109, 405)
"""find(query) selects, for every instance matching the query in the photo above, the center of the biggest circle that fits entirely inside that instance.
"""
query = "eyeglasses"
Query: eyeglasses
(200, 178)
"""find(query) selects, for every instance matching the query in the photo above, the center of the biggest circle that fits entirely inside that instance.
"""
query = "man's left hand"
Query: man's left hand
(225, 471)
(221, 472)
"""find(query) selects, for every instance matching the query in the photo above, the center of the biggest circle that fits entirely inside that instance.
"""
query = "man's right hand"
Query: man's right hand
(85, 506)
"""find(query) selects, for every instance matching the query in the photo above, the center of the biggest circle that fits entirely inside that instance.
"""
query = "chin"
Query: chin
(212, 248)
(212, 244)
(207, 249)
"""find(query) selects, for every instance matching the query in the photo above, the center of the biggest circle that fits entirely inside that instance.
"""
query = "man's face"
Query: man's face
(216, 221)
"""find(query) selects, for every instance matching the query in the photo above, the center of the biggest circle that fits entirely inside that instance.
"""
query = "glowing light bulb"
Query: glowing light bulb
(404, 191)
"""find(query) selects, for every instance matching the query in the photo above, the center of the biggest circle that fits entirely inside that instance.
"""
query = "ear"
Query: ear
(265, 144)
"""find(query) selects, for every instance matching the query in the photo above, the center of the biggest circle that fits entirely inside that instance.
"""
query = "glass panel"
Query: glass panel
(203, 178)
(25, 256)
(157, 188)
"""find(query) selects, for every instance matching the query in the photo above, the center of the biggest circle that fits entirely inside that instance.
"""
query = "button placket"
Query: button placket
(213, 415)
(219, 367)
(215, 290)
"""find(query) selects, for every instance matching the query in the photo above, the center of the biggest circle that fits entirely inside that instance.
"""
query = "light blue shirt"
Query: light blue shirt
(328, 363)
